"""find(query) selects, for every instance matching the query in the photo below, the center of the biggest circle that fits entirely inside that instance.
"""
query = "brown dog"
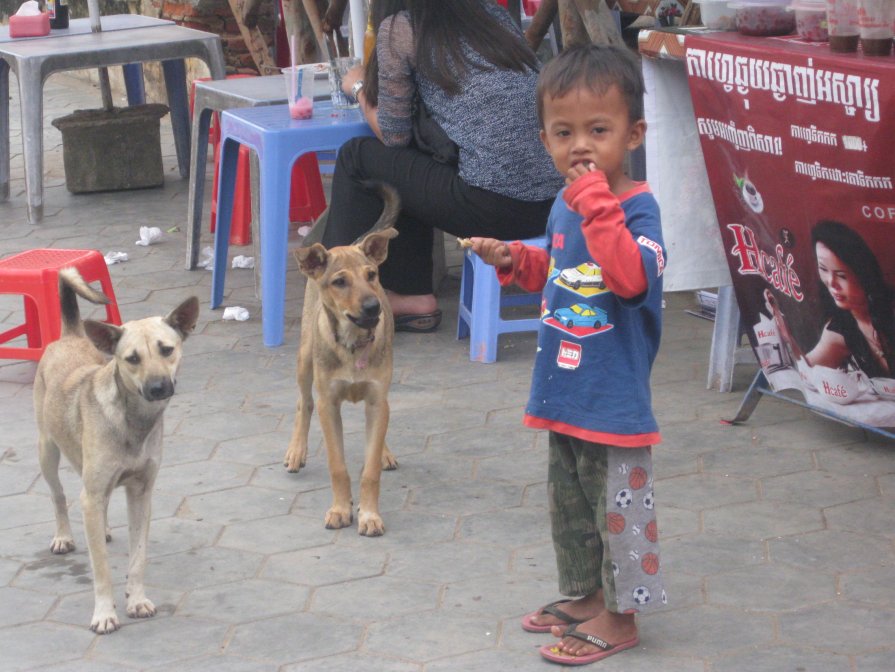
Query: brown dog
(346, 353)
(99, 395)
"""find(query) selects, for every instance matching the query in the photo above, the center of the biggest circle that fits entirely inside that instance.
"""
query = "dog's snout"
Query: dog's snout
(158, 389)
(370, 307)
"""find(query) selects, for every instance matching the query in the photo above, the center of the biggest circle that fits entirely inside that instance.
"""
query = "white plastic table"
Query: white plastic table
(35, 59)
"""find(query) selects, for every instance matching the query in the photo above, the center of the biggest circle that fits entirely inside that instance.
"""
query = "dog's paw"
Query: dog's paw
(295, 460)
(104, 623)
(141, 608)
(337, 518)
(370, 524)
(62, 545)
(389, 461)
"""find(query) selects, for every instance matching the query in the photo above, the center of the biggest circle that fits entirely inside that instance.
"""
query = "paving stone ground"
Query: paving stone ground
(777, 535)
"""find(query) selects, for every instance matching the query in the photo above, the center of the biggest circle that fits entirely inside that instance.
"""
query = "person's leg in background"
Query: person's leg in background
(432, 196)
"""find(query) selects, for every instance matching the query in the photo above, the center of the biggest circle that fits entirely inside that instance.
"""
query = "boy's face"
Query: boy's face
(584, 127)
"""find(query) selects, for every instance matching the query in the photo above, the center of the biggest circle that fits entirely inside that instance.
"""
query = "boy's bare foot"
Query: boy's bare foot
(612, 628)
(580, 610)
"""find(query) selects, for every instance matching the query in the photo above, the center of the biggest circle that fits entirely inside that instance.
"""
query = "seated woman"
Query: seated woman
(469, 64)
(859, 323)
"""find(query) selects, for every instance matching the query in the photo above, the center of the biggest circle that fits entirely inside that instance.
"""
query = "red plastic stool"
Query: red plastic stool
(307, 199)
(35, 275)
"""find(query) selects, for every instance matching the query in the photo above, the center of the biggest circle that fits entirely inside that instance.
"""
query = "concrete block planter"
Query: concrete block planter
(112, 150)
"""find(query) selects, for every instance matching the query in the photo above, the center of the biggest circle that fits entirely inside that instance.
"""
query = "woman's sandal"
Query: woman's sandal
(554, 654)
(419, 323)
(550, 610)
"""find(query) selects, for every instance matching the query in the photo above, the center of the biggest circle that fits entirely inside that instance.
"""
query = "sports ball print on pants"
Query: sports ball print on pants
(633, 533)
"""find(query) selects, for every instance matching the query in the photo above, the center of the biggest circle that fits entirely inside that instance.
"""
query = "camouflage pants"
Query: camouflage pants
(603, 522)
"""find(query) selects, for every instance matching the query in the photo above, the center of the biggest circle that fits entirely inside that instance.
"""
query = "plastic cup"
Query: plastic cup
(875, 26)
(811, 20)
(300, 91)
(337, 69)
(842, 25)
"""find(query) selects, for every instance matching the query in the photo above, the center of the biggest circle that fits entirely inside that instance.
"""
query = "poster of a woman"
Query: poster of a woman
(853, 358)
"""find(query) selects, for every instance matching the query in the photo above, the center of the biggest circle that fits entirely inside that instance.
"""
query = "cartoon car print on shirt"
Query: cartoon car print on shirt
(581, 315)
(586, 275)
(579, 320)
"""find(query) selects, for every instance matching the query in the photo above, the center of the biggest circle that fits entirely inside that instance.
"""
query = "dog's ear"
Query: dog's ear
(183, 318)
(103, 335)
(312, 261)
(375, 245)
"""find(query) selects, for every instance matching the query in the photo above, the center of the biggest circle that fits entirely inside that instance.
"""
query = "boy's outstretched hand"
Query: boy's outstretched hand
(578, 170)
(492, 251)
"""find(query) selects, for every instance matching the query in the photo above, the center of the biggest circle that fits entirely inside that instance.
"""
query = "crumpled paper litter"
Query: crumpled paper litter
(206, 258)
(241, 261)
(114, 257)
(237, 313)
(149, 235)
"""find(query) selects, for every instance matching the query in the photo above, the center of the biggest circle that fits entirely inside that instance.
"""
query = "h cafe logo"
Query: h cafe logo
(569, 355)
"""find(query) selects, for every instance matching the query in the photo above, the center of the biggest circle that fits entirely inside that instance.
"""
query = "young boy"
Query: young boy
(601, 318)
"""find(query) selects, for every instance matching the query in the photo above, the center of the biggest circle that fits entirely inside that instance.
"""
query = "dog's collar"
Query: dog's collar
(361, 349)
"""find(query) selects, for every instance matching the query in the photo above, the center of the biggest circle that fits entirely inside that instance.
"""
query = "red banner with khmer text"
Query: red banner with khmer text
(799, 146)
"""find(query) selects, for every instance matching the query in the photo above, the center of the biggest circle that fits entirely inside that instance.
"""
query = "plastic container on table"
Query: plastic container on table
(299, 81)
(811, 19)
(842, 25)
(36, 25)
(764, 18)
(875, 18)
(717, 14)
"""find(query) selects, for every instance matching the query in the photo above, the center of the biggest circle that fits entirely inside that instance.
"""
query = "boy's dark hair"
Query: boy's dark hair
(597, 67)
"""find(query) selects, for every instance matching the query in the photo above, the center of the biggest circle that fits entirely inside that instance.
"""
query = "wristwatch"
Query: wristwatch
(356, 87)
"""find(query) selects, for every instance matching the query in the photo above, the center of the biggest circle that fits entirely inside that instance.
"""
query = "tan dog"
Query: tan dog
(346, 353)
(105, 415)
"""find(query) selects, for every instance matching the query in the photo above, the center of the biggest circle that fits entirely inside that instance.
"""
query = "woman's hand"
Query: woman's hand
(349, 78)
(492, 251)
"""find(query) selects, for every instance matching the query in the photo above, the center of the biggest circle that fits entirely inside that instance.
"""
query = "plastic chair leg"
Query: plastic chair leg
(485, 313)
(465, 307)
(133, 83)
(178, 100)
(274, 237)
(226, 182)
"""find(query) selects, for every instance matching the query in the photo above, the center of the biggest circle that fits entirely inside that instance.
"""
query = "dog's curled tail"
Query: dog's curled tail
(71, 286)
(392, 202)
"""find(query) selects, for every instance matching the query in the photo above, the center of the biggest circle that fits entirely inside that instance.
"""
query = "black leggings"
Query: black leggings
(432, 196)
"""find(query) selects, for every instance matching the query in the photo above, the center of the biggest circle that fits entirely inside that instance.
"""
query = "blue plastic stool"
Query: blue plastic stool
(481, 303)
(278, 141)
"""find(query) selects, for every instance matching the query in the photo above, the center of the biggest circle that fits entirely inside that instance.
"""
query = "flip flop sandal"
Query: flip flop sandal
(553, 653)
(551, 610)
(420, 323)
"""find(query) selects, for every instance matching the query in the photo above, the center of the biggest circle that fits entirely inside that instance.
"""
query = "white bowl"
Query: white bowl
(717, 15)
